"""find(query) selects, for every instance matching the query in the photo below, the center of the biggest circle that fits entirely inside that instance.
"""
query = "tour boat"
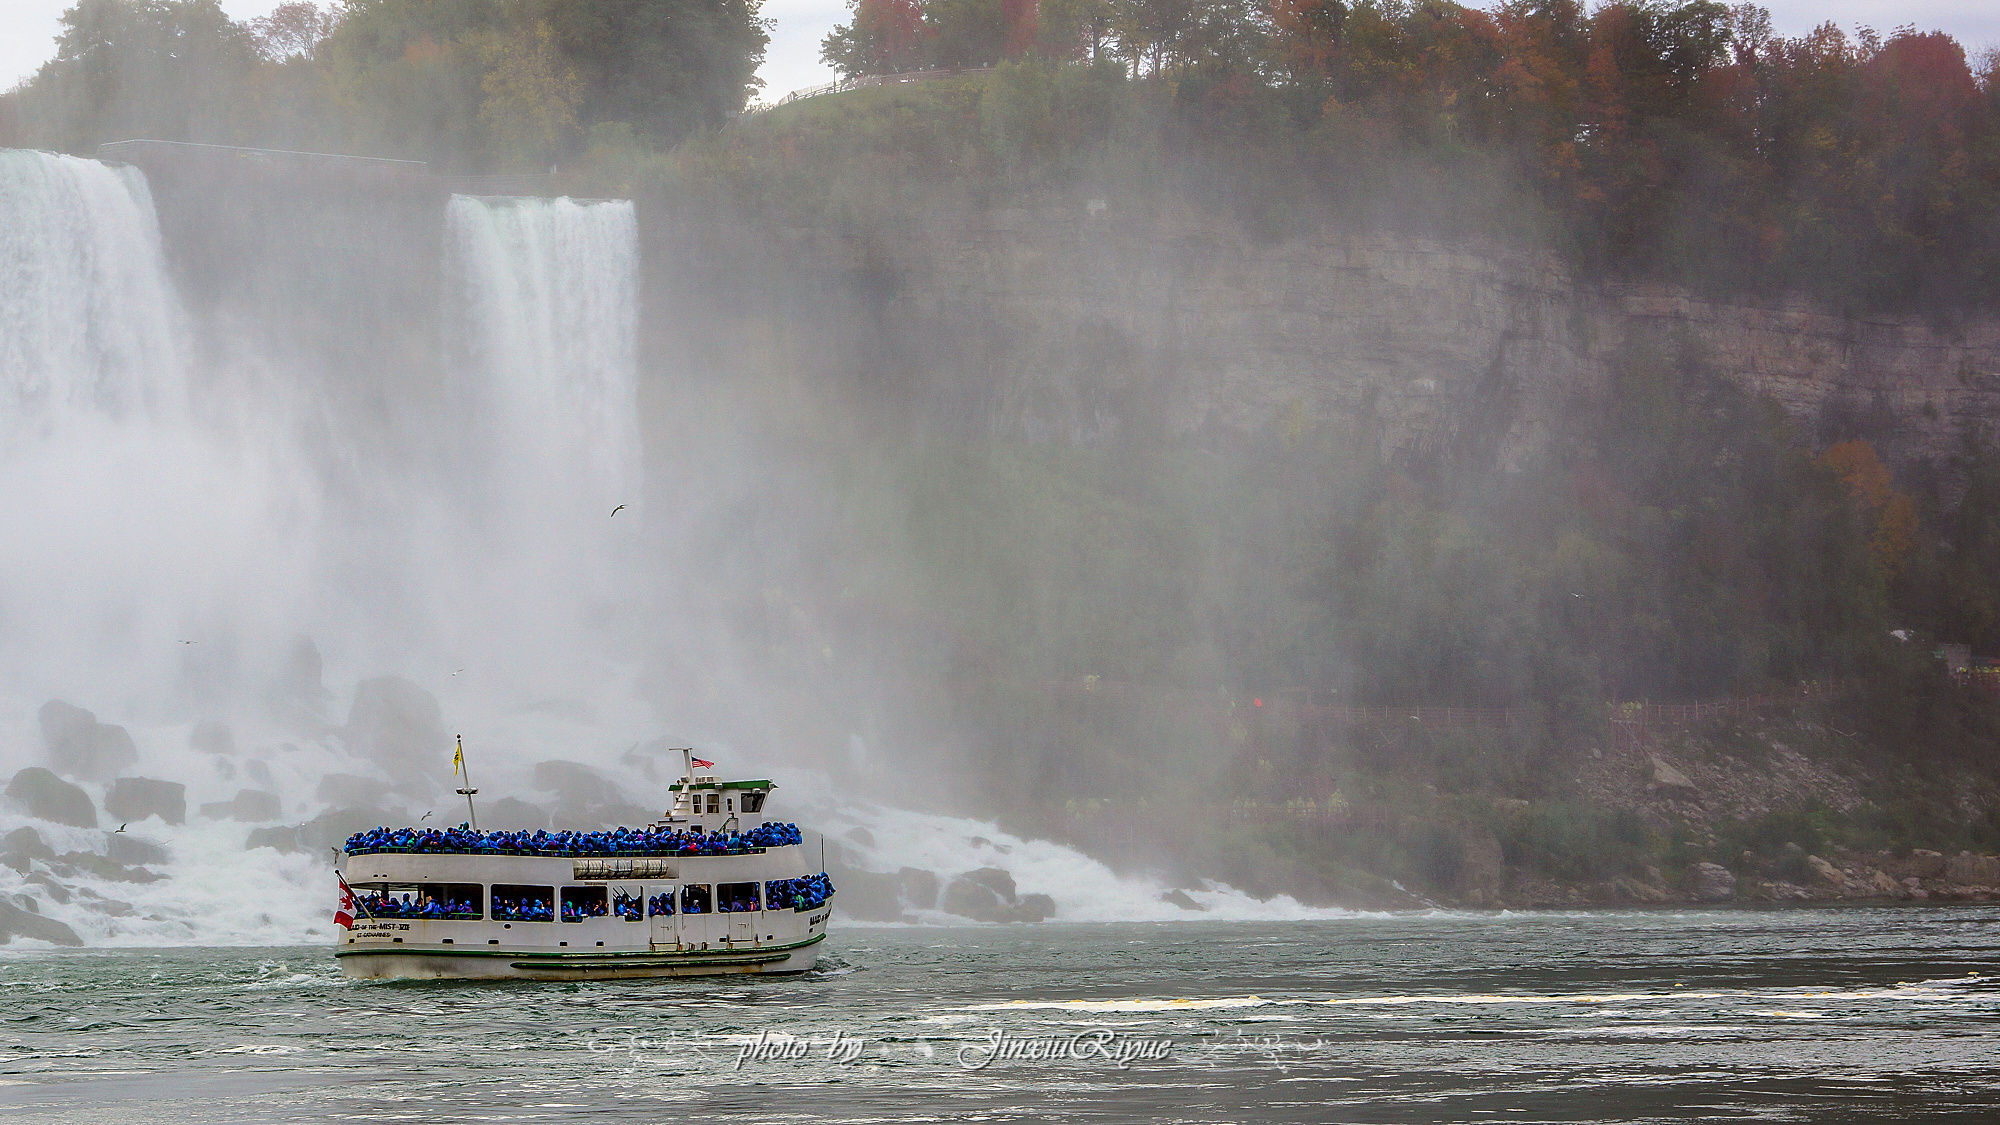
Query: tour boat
(712, 888)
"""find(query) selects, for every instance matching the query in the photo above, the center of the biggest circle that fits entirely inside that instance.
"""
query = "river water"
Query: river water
(1724, 1015)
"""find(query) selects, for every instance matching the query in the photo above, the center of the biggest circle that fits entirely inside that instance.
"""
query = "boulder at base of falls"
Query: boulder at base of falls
(47, 797)
(987, 895)
(328, 830)
(126, 848)
(868, 896)
(16, 922)
(511, 814)
(1711, 882)
(1180, 898)
(23, 845)
(1976, 870)
(212, 736)
(920, 887)
(248, 804)
(71, 864)
(400, 727)
(80, 746)
(136, 798)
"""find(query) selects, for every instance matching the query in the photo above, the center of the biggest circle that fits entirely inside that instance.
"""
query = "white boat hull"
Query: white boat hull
(715, 942)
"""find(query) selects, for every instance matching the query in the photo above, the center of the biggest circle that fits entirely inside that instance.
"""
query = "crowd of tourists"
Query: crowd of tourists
(387, 905)
(618, 842)
(798, 894)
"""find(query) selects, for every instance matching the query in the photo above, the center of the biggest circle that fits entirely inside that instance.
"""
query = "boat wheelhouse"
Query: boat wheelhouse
(712, 888)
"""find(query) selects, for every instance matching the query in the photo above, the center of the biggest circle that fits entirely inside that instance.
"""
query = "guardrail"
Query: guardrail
(119, 149)
(862, 82)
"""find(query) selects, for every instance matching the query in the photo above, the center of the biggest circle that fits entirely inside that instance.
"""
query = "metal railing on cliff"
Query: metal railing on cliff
(860, 83)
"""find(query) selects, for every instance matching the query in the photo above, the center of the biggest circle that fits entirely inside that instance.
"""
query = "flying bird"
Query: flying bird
(187, 642)
(460, 670)
(425, 817)
(121, 828)
(618, 509)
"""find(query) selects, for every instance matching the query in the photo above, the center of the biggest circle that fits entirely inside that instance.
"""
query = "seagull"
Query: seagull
(187, 642)
(425, 817)
(618, 509)
(121, 828)
(460, 670)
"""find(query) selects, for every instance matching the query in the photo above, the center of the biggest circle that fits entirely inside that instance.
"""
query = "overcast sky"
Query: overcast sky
(28, 29)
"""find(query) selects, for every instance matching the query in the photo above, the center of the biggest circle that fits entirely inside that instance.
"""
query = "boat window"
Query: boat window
(695, 899)
(579, 903)
(661, 904)
(629, 904)
(715, 802)
(418, 900)
(512, 903)
(753, 802)
(736, 897)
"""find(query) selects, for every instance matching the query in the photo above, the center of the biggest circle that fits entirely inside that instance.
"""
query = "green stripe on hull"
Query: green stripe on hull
(573, 962)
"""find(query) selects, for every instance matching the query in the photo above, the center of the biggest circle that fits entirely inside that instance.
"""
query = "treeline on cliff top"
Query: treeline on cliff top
(468, 85)
(1680, 141)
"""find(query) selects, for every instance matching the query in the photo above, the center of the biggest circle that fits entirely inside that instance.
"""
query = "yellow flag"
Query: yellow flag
(458, 758)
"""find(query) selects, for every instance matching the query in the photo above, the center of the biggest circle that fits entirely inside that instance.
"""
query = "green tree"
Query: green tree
(166, 69)
(531, 96)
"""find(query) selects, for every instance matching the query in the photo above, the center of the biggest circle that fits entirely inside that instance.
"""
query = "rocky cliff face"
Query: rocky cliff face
(1085, 324)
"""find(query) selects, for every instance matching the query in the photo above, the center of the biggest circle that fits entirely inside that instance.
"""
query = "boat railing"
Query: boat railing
(559, 854)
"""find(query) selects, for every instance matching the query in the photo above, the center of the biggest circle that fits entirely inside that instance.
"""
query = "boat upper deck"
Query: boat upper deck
(655, 842)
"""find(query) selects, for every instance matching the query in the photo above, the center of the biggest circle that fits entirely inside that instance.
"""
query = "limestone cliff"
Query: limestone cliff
(1084, 323)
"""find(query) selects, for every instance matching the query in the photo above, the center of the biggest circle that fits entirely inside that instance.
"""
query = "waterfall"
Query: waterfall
(88, 321)
(549, 295)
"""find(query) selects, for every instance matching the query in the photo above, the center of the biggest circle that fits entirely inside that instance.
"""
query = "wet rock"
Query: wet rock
(1979, 870)
(298, 692)
(1178, 897)
(102, 866)
(111, 907)
(21, 845)
(45, 796)
(920, 887)
(968, 899)
(994, 879)
(127, 848)
(18, 923)
(248, 804)
(1632, 890)
(399, 726)
(1922, 863)
(136, 798)
(860, 836)
(1884, 884)
(212, 736)
(1824, 873)
(1034, 908)
(50, 887)
(260, 772)
(349, 789)
(80, 746)
(1667, 777)
(511, 814)
(1711, 882)
(280, 837)
(868, 896)
(1481, 866)
(579, 790)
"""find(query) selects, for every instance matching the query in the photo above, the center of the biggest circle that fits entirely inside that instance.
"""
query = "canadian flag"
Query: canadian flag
(344, 915)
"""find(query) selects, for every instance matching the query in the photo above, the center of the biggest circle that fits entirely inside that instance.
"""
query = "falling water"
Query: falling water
(88, 324)
(549, 289)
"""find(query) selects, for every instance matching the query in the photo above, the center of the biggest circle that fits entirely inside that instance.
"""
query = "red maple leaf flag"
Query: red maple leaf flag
(343, 916)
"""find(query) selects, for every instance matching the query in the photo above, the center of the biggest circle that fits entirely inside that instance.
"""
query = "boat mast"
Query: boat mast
(457, 766)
